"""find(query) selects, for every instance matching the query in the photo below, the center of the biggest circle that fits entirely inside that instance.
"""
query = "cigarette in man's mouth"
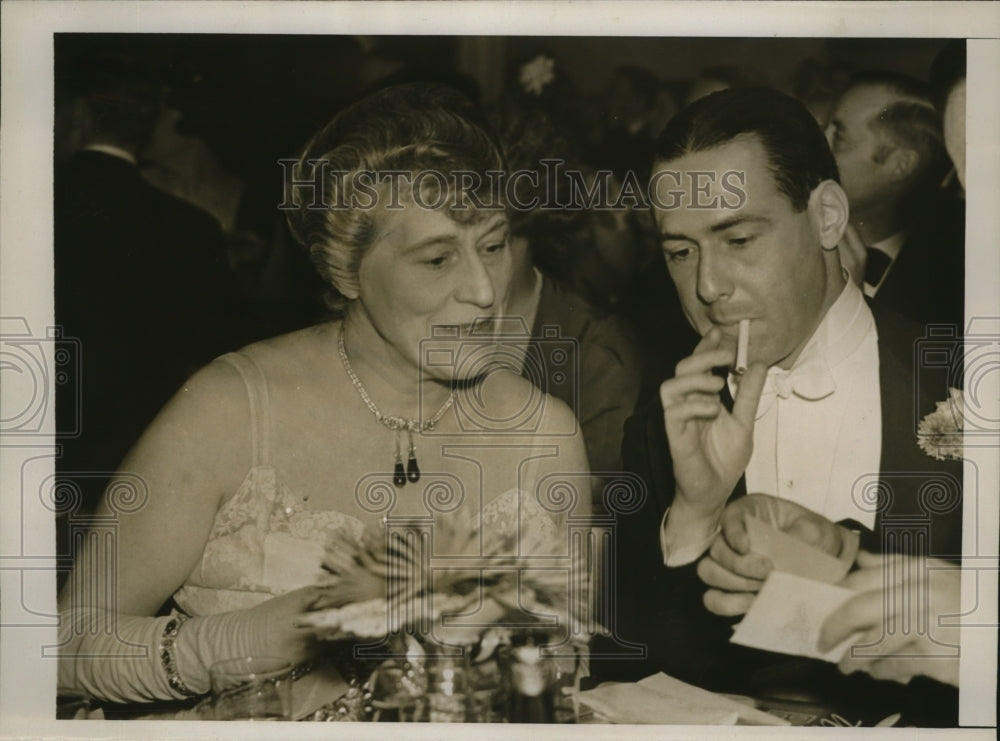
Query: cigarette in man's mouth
(742, 345)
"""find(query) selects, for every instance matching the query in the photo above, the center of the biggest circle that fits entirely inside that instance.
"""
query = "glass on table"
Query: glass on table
(541, 687)
(487, 694)
(252, 688)
(397, 691)
(447, 687)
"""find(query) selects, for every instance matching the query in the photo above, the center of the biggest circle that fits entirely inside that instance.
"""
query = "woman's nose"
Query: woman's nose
(476, 285)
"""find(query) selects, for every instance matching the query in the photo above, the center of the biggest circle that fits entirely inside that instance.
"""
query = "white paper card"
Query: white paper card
(787, 615)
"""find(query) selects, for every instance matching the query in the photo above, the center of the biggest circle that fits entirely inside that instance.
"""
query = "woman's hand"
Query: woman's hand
(354, 578)
(270, 627)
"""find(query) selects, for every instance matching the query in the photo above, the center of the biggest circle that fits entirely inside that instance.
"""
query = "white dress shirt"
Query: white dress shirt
(819, 424)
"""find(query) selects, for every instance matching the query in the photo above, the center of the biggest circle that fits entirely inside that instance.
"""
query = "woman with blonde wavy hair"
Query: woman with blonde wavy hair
(274, 455)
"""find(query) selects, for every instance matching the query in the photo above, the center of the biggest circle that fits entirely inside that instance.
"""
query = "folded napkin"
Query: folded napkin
(675, 688)
(633, 703)
(664, 700)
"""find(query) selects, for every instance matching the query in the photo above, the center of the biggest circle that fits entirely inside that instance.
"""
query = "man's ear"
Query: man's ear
(829, 213)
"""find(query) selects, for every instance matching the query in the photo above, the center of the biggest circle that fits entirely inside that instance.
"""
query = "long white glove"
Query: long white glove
(117, 657)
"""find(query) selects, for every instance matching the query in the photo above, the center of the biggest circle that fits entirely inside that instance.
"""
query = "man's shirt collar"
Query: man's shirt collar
(840, 332)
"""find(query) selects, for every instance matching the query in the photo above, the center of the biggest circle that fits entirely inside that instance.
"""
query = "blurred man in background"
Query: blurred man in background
(141, 278)
(886, 136)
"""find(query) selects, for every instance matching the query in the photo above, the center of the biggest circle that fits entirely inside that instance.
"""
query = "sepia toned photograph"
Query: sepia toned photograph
(494, 378)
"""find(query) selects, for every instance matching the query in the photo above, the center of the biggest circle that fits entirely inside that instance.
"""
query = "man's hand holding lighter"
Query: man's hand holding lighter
(710, 446)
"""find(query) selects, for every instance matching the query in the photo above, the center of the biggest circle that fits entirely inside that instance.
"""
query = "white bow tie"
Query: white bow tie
(811, 381)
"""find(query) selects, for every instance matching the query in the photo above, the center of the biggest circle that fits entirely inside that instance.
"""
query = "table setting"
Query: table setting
(523, 692)
(490, 641)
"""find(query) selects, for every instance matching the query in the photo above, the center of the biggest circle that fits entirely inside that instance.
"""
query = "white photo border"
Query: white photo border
(27, 576)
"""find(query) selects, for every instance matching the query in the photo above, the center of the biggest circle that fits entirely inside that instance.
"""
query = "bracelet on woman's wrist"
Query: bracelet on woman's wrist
(167, 658)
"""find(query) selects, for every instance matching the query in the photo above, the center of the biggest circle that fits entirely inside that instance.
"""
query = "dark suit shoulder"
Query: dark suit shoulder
(192, 216)
(927, 279)
(94, 184)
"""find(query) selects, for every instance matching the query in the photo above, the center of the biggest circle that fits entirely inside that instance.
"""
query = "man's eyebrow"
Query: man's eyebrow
(671, 237)
(738, 221)
(719, 227)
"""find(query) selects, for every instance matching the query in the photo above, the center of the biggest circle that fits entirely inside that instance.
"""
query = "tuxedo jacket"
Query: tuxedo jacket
(659, 613)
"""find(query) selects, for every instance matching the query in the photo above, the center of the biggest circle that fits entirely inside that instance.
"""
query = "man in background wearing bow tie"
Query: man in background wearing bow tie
(749, 210)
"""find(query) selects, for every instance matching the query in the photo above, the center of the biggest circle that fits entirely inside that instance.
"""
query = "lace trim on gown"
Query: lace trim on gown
(264, 541)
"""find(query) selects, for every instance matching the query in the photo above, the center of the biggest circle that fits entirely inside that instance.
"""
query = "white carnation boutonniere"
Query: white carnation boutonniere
(940, 432)
(538, 73)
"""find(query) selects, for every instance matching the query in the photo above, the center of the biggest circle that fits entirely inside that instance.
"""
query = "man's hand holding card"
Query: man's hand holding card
(760, 533)
(778, 562)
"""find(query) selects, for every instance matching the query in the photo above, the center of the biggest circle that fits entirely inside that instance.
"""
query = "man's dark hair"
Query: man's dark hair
(798, 152)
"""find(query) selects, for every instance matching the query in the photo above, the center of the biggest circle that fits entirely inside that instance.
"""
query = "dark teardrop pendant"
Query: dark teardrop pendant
(399, 475)
(412, 469)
